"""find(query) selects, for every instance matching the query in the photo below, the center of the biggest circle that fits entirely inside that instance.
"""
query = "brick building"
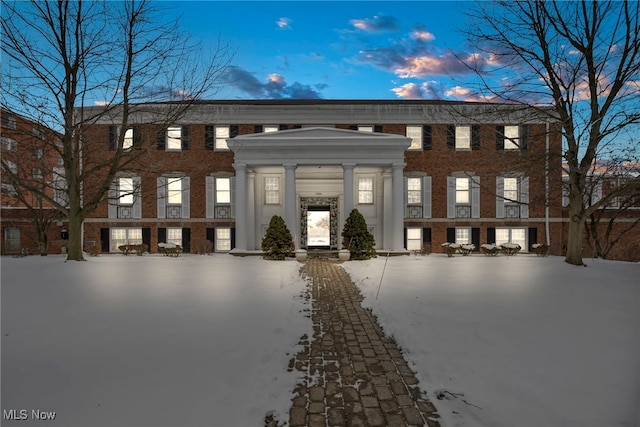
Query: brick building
(28, 153)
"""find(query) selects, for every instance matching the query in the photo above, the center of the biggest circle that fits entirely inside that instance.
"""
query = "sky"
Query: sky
(336, 50)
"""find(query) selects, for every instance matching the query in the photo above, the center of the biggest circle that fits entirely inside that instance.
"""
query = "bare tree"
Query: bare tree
(583, 60)
(63, 56)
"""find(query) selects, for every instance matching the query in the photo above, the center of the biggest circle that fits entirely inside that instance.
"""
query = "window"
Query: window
(414, 191)
(462, 191)
(270, 128)
(223, 239)
(60, 160)
(174, 138)
(38, 153)
(365, 128)
(12, 239)
(8, 121)
(512, 235)
(174, 235)
(125, 191)
(272, 190)
(124, 236)
(511, 136)
(37, 173)
(510, 193)
(463, 137)
(223, 190)
(415, 133)
(463, 236)
(221, 135)
(414, 239)
(365, 190)
(174, 191)
(128, 139)
(9, 144)
(37, 132)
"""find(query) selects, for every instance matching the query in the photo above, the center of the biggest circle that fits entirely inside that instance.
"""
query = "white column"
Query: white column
(251, 210)
(241, 206)
(398, 208)
(347, 179)
(387, 213)
(290, 200)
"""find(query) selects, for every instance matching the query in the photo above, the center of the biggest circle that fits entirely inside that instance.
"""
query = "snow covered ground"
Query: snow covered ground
(205, 340)
(150, 341)
(515, 341)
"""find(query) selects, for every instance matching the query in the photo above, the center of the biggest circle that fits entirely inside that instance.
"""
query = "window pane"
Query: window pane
(118, 237)
(511, 134)
(174, 235)
(272, 190)
(365, 190)
(414, 233)
(174, 191)
(414, 191)
(463, 236)
(128, 139)
(174, 134)
(463, 137)
(125, 186)
(511, 189)
(134, 236)
(223, 190)
(365, 128)
(502, 235)
(222, 134)
(462, 190)
(270, 128)
(415, 133)
(223, 239)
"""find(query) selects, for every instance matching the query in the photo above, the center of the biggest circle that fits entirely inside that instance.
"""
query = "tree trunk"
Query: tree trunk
(42, 240)
(74, 244)
(574, 240)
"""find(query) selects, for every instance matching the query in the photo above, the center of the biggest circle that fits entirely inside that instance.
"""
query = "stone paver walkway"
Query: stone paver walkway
(354, 374)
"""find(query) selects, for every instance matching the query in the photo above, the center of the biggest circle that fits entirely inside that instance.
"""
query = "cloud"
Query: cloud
(376, 24)
(276, 86)
(466, 94)
(424, 90)
(284, 23)
(409, 63)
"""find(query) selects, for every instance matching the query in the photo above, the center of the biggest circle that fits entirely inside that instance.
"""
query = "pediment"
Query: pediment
(317, 132)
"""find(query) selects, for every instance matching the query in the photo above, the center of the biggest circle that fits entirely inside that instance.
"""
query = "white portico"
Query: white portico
(291, 172)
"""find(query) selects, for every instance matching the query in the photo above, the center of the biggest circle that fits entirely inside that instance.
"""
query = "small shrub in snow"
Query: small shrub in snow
(277, 243)
(357, 238)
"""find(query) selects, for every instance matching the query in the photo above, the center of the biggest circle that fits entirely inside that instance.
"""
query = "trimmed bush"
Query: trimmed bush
(277, 243)
(356, 237)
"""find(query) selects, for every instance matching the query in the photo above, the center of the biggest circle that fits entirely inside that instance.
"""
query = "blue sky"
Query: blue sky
(336, 50)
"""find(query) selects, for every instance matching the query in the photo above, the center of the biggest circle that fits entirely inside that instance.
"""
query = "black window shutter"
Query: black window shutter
(451, 235)
(161, 141)
(377, 128)
(233, 131)
(162, 235)
(211, 236)
(185, 137)
(405, 236)
(233, 238)
(475, 137)
(533, 235)
(283, 127)
(209, 137)
(186, 240)
(427, 143)
(475, 238)
(137, 138)
(524, 137)
(426, 236)
(491, 235)
(353, 127)
(113, 143)
(146, 236)
(296, 127)
(451, 137)
(104, 240)
(499, 138)
(258, 129)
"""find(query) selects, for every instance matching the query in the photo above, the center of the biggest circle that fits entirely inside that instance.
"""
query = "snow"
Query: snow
(151, 341)
(514, 341)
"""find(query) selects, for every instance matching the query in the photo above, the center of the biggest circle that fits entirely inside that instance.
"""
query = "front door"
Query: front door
(318, 227)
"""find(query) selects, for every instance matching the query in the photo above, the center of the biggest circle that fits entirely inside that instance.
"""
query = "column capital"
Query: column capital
(348, 165)
(240, 166)
(397, 166)
(290, 165)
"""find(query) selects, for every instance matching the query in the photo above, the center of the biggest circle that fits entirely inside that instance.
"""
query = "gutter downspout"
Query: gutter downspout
(546, 184)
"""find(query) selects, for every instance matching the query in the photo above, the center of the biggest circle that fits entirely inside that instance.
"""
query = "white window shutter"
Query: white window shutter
(113, 200)
(137, 197)
(162, 197)
(475, 197)
(499, 197)
(426, 197)
(451, 197)
(524, 197)
(232, 186)
(186, 199)
(210, 196)
(405, 195)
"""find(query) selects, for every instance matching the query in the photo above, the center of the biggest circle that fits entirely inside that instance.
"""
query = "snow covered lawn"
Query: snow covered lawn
(524, 341)
(150, 341)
